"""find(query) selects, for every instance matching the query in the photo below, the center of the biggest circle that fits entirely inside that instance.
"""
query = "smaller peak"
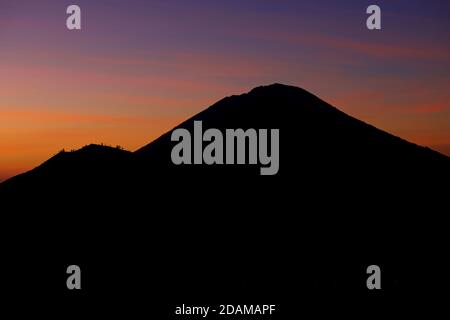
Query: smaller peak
(94, 146)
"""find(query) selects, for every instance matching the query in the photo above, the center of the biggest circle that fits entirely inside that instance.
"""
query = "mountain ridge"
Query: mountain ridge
(271, 106)
(346, 195)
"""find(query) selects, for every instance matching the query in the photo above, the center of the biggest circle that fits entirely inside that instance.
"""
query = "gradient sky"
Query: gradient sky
(137, 68)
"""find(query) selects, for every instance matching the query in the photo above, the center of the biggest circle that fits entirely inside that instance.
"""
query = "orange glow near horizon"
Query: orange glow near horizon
(138, 68)
(29, 137)
(39, 135)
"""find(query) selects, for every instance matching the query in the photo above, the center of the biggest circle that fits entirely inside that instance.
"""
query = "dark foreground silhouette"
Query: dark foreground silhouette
(147, 232)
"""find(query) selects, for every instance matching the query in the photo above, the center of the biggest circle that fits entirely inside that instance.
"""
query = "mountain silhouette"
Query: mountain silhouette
(315, 136)
(346, 195)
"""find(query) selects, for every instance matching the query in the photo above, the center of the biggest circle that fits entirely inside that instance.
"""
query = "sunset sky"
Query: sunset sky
(137, 68)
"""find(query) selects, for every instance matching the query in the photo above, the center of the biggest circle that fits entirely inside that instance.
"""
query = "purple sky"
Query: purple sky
(139, 67)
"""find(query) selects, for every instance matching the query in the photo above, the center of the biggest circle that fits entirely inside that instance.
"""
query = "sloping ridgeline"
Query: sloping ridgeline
(347, 195)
